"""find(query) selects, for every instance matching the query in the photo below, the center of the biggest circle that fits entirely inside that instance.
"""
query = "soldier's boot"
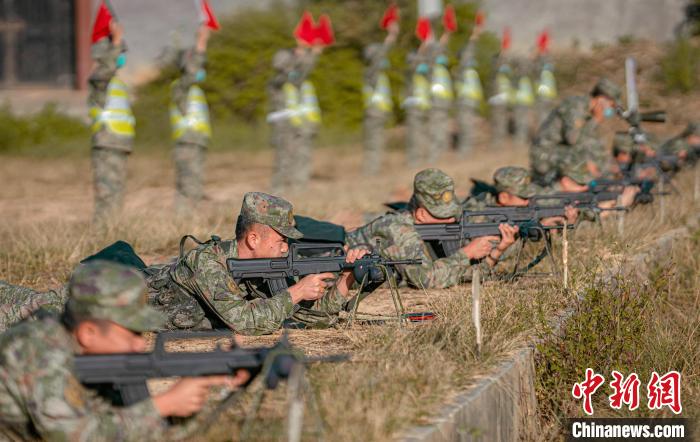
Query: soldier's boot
(109, 178)
(189, 176)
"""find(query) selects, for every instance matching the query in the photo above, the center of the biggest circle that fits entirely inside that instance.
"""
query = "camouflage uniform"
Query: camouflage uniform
(441, 96)
(197, 289)
(569, 131)
(678, 144)
(398, 238)
(501, 103)
(40, 397)
(378, 105)
(303, 160)
(18, 303)
(109, 149)
(523, 104)
(191, 137)
(470, 96)
(417, 106)
(546, 90)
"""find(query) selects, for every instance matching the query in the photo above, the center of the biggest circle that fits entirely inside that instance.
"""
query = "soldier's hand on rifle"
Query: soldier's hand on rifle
(480, 247)
(202, 38)
(508, 233)
(627, 197)
(571, 214)
(347, 279)
(311, 287)
(117, 31)
(189, 395)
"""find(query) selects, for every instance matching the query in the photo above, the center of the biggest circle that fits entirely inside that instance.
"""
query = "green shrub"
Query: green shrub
(680, 66)
(47, 128)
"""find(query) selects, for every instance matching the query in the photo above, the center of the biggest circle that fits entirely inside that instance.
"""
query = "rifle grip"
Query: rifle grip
(277, 285)
(133, 393)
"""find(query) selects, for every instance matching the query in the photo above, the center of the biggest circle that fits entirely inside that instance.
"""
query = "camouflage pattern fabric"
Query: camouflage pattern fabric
(434, 190)
(189, 175)
(568, 130)
(109, 179)
(516, 181)
(18, 303)
(41, 398)
(439, 125)
(200, 280)
(375, 119)
(398, 239)
(190, 148)
(284, 137)
(105, 54)
(467, 110)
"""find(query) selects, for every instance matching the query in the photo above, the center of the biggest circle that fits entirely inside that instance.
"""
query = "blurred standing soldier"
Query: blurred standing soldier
(571, 131)
(112, 120)
(311, 116)
(547, 85)
(503, 99)
(418, 103)
(441, 91)
(189, 116)
(523, 104)
(377, 93)
(470, 94)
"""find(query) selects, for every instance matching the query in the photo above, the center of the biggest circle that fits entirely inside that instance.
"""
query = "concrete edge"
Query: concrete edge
(509, 392)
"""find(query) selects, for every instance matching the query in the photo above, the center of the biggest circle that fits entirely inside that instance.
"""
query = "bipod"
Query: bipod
(546, 251)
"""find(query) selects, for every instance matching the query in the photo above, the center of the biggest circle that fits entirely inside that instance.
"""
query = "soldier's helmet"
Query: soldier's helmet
(516, 181)
(434, 190)
(114, 292)
(608, 88)
(271, 211)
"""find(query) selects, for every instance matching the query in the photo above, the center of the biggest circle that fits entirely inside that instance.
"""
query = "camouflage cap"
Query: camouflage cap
(434, 190)
(515, 180)
(113, 292)
(608, 88)
(271, 211)
(623, 142)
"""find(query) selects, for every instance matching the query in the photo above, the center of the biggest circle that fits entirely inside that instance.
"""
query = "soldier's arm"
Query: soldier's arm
(251, 317)
(193, 62)
(574, 116)
(62, 409)
(439, 273)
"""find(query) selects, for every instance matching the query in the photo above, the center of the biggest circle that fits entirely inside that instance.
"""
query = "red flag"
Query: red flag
(324, 30)
(506, 40)
(306, 29)
(449, 19)
(390, 16)
(480, 19)
(543, 42)
(207, 17)
(423, 30)
(102, 20)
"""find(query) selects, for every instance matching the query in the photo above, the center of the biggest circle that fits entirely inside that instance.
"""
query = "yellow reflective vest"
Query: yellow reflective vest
(505, 94)
(309, 108)
(441, 86)
(379, 96)
(420, 97)
(196, 119)
(525, 95)
(116, 117)
(547, 89)
(470, 89)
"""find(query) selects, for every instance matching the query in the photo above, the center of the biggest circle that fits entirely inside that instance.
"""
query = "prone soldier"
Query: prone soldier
(106, 312)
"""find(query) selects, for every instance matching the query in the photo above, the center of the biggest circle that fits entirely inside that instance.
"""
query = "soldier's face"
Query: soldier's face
(509, 200)
(107, 337)
(422, 216)
(270, 244)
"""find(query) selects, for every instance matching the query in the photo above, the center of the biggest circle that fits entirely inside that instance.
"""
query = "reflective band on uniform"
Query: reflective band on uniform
(116, 116)
(421, 93)
(505, 93)
(547, 89)
(441, 86)
(525, 96)
(197, 117)
(310, 110)
(379, 97)
(471, 86)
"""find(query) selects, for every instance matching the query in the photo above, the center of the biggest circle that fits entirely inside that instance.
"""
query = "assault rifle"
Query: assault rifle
(313, 258)
(127, 373)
